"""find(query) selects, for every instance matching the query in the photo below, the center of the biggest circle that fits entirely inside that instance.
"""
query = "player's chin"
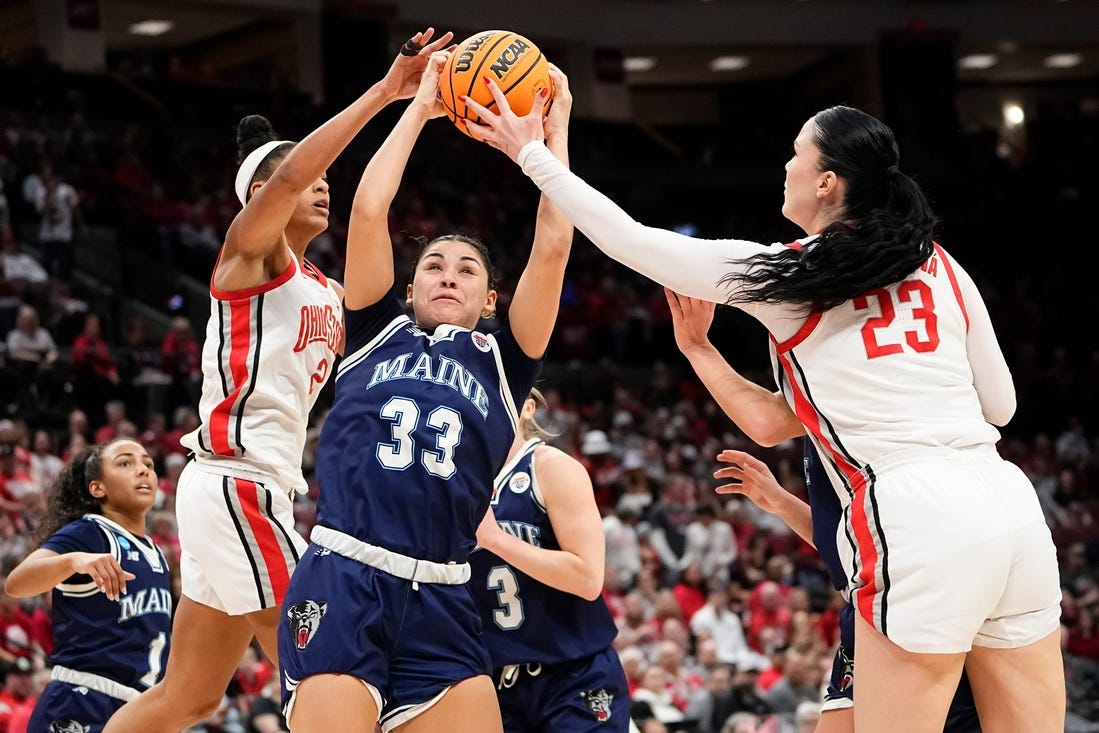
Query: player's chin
(451, 313)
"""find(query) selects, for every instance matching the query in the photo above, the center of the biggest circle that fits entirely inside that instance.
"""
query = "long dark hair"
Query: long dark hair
(253, 131)
(883, 237)
(68, 498)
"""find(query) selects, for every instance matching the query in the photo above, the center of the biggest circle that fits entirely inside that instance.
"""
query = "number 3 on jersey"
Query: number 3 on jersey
(510, 613)
(400, 454)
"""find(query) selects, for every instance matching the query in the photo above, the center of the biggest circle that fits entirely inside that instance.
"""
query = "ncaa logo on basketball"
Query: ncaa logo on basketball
(520, 482)
(305, 617)
(599, 701)
(481, 342)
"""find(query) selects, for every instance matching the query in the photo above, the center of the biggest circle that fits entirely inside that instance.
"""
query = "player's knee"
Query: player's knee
(197, 707)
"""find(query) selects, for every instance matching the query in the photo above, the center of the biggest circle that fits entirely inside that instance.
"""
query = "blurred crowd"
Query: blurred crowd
(727, 619)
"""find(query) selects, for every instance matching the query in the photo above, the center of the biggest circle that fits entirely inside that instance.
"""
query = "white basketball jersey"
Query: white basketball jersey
(849, 374)
(268, 352)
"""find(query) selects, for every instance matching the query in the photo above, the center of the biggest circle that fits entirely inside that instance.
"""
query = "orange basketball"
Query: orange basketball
(512, 61)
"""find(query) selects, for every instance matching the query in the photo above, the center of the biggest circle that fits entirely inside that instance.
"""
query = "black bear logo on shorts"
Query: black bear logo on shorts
(68, 726)
(600, 703)
(304, 617)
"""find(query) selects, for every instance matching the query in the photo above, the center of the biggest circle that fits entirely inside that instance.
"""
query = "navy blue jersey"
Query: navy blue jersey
(420, 425)
(525, 620)
(125, 640)
(827, 514)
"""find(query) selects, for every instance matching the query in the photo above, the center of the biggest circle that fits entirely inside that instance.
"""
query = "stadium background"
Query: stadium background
(996, 107)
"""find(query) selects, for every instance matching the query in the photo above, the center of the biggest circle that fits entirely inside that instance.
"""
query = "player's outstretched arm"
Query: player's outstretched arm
(43, 569)
(537, 296)
(763, 415)
(257, 229)
(369, 272)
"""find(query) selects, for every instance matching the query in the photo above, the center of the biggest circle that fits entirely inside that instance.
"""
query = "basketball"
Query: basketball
(516, 65)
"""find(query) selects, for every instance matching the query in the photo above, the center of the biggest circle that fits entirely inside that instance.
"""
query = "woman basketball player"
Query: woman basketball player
(765, 417)
(537, 581)
(888, 358)
(111, 586)
(379, 623)
(275, 329)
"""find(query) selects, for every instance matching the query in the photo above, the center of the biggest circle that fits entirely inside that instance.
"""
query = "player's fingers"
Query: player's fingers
(729, 489)
(733, 472)
(438, 43)
(484, 133)
(477, 109)
(541, 99)
(673, 301)
(497, 94)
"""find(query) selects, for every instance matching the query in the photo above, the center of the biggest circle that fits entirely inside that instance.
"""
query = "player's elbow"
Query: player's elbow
(592, 585)
(15, 588)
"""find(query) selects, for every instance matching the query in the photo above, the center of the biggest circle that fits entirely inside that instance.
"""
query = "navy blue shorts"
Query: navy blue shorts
(962, 717)
(343, 617)
(583, 696)
(65, 708)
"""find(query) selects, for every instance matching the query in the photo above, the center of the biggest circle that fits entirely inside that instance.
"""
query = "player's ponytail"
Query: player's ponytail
(883, 236)
(255, 133)
(68, 498)
(531, 428)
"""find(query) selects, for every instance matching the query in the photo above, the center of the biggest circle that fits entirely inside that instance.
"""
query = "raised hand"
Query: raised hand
(104, 570)
(691, 319)
(754, 479)
(403, 78)
(427, 94)
(557, 120)
(506, 131)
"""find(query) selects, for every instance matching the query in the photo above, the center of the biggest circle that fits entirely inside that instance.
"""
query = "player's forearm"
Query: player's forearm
(797, 514)
(558, 569)
(762, 414)
(689, 266)
(311, 157)
(382, 177)
(39, 574)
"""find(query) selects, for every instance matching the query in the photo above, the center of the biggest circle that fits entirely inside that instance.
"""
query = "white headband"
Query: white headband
(251, 163)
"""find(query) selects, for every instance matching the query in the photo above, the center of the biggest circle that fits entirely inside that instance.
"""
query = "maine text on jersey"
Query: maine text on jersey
(529, 533)
(444, 371)
(145, 601)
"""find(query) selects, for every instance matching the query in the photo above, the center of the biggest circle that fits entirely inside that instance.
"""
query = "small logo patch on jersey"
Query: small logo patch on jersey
(481, 341)
(305, 617)
(123, 543)
(519, 482)
(599, 701)
(68, 726)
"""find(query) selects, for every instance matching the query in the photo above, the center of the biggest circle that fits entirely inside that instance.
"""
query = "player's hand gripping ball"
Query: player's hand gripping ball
(517, 66)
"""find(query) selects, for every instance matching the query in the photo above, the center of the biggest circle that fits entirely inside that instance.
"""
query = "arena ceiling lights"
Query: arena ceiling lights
(152, 27)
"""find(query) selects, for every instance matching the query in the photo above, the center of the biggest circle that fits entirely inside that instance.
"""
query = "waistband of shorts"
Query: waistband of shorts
(976, 454)
(232, 468)
(394, 563)
(96, 682)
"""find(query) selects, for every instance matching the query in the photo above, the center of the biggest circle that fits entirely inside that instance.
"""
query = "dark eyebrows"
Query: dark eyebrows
(132, 455)
(440, 255)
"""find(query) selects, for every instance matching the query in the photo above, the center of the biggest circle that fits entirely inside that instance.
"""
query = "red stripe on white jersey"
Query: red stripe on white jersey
(868, 553)
(240, 342)
(953, 282)
(273, 558)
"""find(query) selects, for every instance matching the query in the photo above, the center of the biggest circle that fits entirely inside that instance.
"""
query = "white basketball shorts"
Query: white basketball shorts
(949, 549)
(237, 540)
